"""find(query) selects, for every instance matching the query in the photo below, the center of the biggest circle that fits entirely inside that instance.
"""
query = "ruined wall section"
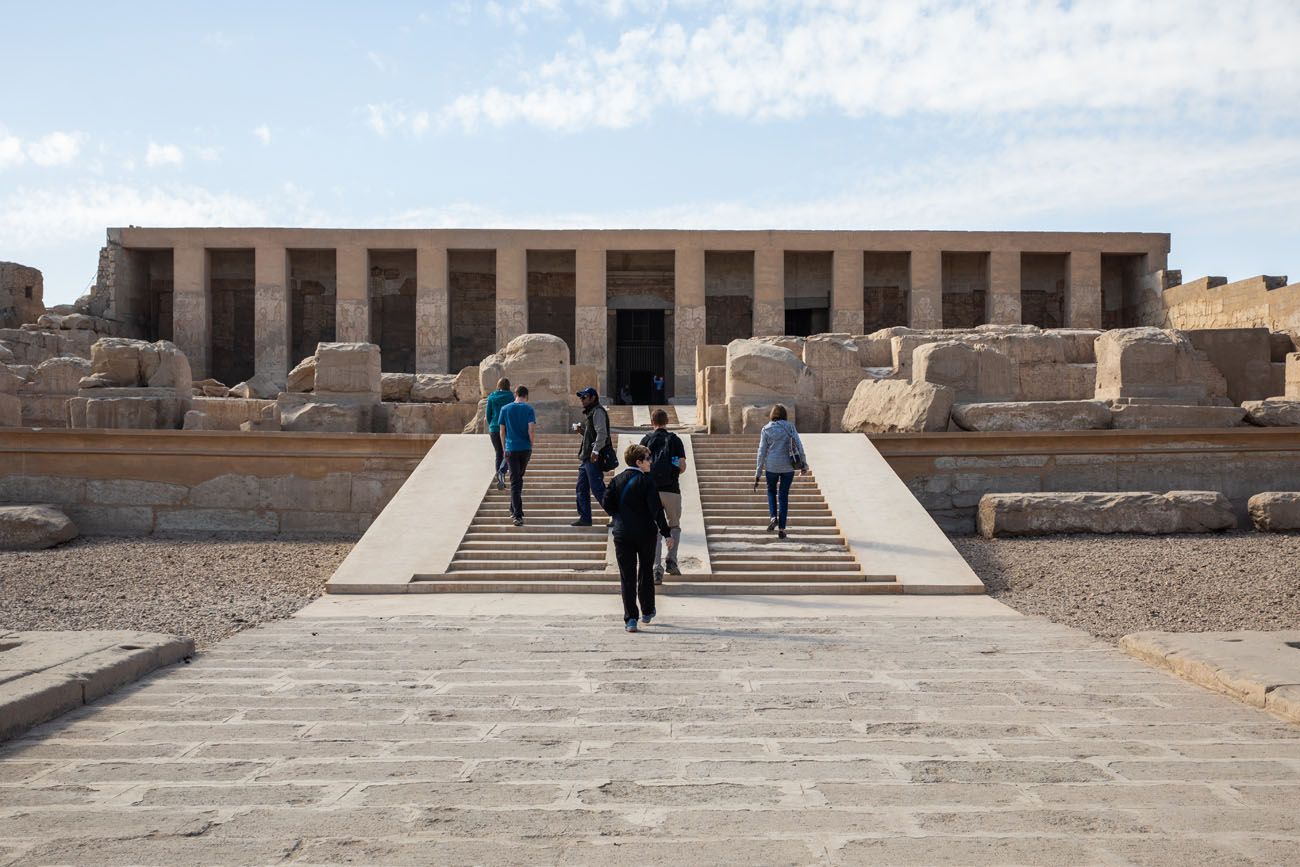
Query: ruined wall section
(1212, 302)
(22, 294)
(728, 297)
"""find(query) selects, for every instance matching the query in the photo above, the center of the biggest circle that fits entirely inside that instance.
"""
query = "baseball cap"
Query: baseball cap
(588, 392)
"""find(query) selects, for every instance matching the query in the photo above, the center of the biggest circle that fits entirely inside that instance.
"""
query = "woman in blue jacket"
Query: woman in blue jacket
(780, 456)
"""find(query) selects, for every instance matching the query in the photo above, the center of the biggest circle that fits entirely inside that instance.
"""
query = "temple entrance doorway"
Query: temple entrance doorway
(640, 355)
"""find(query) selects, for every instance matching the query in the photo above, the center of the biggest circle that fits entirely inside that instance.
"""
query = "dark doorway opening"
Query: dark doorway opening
(806, 321)
(640, 354)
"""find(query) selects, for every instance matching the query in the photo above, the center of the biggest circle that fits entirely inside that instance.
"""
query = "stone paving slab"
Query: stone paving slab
(46, 673)
(781, 740)
(1261, 668)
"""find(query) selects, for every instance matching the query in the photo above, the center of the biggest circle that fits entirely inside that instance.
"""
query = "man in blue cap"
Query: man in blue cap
(595, 438)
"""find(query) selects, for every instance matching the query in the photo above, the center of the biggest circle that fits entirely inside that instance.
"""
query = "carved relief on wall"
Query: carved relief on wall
(432, 340)
(688, 334)
(353, 321)
(589, 336)
(512, 320)
(925, 312)
(271, 326)
(847, 321)
(191, 330)
(769, 319)
(1004, 308)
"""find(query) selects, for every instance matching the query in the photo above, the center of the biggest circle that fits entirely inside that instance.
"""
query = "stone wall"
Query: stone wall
(313, 284)
(728, 296)
(949, 473)
(1212, 302)
(965, 289)
(146, 482)
(392, 308)
(22, 293)
(472, 305)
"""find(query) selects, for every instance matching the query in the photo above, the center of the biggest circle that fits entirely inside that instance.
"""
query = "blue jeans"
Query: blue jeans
(779, 500)
(591, 483)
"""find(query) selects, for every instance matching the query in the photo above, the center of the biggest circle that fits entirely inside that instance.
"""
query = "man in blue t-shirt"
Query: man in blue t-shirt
(517, 424)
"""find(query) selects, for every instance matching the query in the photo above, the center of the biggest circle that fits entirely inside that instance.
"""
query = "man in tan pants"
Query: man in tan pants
(667, 462)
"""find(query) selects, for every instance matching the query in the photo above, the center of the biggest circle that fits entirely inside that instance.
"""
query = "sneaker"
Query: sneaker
(580, 523)
(501, 481)
(646, 618)
(771, 525)
(519, 522)
(630, 626)
(673, 568)
(659, 578)
(780, 534)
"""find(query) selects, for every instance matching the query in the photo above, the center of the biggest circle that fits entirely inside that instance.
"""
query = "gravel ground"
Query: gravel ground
(205, 588)
(1114, 585)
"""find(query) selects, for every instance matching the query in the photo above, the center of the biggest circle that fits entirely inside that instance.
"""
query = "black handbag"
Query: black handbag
(607, 458)
(796, 459)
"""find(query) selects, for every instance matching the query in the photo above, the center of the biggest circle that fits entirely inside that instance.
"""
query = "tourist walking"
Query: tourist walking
(517, 423)
(495, 401)
(658, 388)
(591, 464)
(637, 521)
(667, 462)
(780, 456)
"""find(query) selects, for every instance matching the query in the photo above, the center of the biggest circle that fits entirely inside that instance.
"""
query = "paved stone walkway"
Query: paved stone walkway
(492, 740)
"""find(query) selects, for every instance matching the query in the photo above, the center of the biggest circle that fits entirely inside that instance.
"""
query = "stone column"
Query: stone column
(192, 308)
(769, 292)
(590, 315)
(271, 314)
(846, 292)
(352, 306)
(688, 330)
(512, 294)
(1004, 287)
(927, 289)
(1083, 290)
(432, 312)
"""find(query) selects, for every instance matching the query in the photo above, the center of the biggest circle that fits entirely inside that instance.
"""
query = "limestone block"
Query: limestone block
(434, 388)
(1280, 345)
(322, 417)
(1243, 356)
(10, 381)
(31, 528)
(760, 372)
(1275, 511)
(580, 376)
(348, 368)
(903, 345)
(539, 361)
(396, 386)
(1277, 379)
(975, 373)
(124, 413)
(197, 420)
(895, 405)
(1292, 376)
(45, 410)
(552, 416)
(1080, 344)
(410, 418)
(784, 341)
(165, 366)
(210, 388)
(1153, 416)
(1028, 346)
(261, 386)
(228, 413)
(11, 411)
(709, 355)
(1055, 381)
(1032, 415)
(829, 351)
(468, 389)
(1274, 412)
(58, 376)
(837, 385)
(753, 418)
(812, 414)
(714, 380)
(1145, 512)
(6, 354)
(719, 420)
(115, 362)
(876, 349)
(1150, 362)
(303, 377)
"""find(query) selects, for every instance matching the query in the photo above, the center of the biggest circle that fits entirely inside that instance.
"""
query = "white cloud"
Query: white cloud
(781, 60)
(11, 150)
(55, 149)
(386, 117)
(208, 154)
(263, 134)
(163, 155)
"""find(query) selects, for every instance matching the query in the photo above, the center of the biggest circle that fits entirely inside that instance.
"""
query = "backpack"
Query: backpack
(661, 459)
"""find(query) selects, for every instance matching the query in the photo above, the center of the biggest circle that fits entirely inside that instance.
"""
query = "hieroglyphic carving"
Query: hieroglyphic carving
(688, 334)
(769, 319)
(512, 320)
(925, 310)
(271, 327)
(191, 330)
(1004, 308)
(432, 332)
(590, 346)
(847, 321)
(352, 323)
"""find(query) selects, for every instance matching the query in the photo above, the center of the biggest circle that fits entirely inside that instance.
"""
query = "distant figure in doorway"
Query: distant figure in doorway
(667, 462)
(659, 388)
(625, 396)
(636, 514)
(495, 401)
(780, 456)
(518, 426)
(595, 440)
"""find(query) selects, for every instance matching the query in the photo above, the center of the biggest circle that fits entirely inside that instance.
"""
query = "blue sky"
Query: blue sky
(1169, 115)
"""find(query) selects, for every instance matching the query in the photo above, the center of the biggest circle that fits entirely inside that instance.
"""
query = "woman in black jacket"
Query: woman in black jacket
(632, 500)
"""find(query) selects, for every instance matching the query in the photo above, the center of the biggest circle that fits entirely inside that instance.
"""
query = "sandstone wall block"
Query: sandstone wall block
(434, 388)
(1154, 416)
(1144, 512)
(976, 373)
(468, 389)
(31, 528)
(1274, 412)
(11, 411)
(1054, 381)
(396, 386)
(1275, 511)
(539, 361)
(303, 377)
(1033, 415)
(197, 420)
(897, 406)
(1293, 376)
(324, 417)
(228, 413)
(760, 372)
(1153, 363)
(348, 368)
(1243, 356)
(58, 376)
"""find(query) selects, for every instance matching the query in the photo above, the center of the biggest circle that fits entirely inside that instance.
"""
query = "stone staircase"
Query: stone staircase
(813, 559)
(544, 554)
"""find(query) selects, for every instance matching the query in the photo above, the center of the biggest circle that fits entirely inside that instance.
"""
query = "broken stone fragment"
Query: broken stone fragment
(897, 406)
(1275, 511)
(397, 386)
(1273, 412)
(1146, 512)
(260, 386)
(303, 377)
(434, 388)
(31, 528)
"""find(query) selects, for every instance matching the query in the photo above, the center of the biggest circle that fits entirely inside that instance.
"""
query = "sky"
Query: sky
(1176, 116)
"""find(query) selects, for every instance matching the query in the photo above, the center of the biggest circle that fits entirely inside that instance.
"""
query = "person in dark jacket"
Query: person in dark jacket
(632, 500)
(667, 463)
(594, 428)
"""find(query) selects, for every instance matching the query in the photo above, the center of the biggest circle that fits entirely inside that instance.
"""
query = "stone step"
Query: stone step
(524, 566)
(450, 584)
(531, 554)
(761, 564)
(474, 543)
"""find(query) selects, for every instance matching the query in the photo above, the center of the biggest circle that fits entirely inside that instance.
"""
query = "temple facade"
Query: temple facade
(634, 304)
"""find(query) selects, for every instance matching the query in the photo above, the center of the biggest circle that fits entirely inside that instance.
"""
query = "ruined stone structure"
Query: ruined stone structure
(22, 291)
(630, 304)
